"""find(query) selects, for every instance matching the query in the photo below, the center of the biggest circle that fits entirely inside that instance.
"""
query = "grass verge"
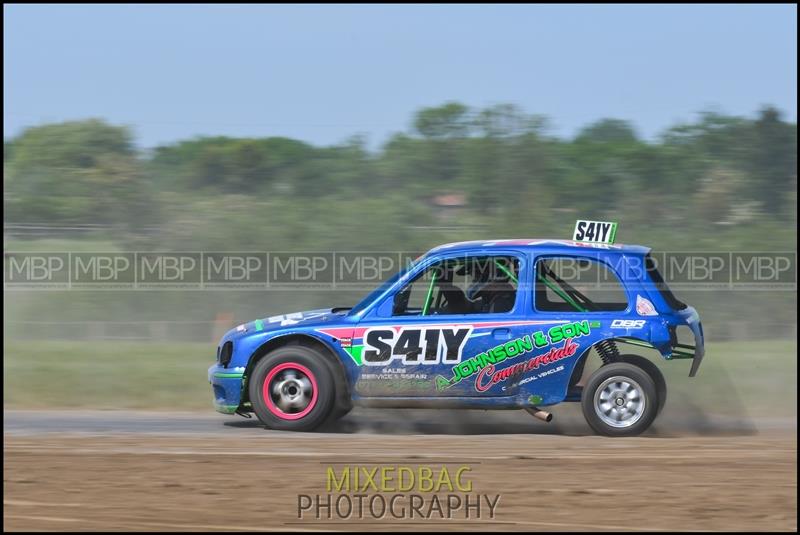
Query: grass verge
(759, 376)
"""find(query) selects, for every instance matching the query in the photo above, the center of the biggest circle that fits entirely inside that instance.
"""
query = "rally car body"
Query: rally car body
(521, 354)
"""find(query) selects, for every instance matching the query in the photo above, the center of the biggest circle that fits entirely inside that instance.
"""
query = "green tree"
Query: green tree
(608, 131)
(75, 172)
(448, 121)
(773, 160)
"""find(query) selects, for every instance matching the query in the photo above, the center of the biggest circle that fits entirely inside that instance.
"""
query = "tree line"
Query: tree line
(457, 173)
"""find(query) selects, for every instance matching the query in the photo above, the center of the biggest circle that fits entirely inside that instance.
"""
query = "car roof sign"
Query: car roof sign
(595, 231)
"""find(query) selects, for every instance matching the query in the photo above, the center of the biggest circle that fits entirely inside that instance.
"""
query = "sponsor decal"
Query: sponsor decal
(392, 381)
(532, 378)
(644, 307)
(296, 317)
(353, 340)
(393, 387)
(489, 376)
(393, 374)
(413, 345)
(628, 324)
(513, 349)
(284, 317)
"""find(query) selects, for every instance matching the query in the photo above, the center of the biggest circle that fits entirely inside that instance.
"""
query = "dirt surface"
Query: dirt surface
(245, 478)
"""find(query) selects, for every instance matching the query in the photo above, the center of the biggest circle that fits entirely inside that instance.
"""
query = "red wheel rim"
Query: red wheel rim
(285, 385)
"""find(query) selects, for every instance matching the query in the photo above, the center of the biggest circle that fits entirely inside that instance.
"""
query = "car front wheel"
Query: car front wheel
(291, 388)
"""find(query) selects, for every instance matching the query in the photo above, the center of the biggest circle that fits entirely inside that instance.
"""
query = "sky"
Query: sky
(325, 73)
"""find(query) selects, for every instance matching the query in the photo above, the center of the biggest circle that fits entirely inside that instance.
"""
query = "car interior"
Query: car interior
(475, 285)
(600, 290)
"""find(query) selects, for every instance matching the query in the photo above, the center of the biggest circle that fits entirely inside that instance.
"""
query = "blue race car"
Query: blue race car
(506, 324)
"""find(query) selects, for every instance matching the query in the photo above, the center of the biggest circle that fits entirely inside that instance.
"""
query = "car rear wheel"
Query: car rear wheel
(619, 399)
(655, 374)
(292, 389)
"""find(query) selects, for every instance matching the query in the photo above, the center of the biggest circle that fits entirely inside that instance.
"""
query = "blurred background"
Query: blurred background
(383, 128)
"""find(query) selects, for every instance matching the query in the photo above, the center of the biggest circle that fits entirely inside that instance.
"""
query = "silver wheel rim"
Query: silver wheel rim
(619, 401)
(291, 391)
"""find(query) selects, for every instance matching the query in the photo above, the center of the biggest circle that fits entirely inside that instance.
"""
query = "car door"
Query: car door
(583, 298)
(457, 314)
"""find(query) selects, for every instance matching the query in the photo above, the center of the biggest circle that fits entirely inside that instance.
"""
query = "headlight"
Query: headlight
(225, 353)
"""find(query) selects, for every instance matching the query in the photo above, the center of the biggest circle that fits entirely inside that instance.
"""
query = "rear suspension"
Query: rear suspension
(608, 351)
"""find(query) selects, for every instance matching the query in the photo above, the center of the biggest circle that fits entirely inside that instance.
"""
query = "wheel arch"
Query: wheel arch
(306, 340)
(580, 363)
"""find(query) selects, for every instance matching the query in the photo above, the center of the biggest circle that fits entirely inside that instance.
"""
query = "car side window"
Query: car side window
(463, 285)
(571, 284)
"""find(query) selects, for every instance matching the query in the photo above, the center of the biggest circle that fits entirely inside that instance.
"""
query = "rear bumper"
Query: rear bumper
(695, 351)
(226, 384)
(699, 347)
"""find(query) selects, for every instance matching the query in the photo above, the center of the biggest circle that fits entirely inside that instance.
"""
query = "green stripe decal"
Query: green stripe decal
(259, 325)
(228, 375)
(355, 354)
(225, 409)
(613, 233)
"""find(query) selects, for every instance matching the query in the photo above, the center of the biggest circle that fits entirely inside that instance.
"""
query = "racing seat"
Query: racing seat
(494, 296)
(453, 299)
(503, 297)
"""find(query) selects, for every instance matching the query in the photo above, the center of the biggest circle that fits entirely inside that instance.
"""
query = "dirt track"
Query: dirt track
(251, 480)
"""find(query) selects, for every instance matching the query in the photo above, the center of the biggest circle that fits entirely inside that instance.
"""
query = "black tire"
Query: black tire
(655, 374)
(343, 403)
(604, 380)
(296, 363)
(339, 412)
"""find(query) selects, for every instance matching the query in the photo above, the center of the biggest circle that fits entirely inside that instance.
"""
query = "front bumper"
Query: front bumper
(226, 384)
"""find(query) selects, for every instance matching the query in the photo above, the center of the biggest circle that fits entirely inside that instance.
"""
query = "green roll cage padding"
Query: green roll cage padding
(430, 293)
(502, 268)
(561, 294)
(511, 276)
(506, 271)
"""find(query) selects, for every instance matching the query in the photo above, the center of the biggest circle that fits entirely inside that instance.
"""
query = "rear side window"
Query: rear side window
(655, 276)
(569, 284)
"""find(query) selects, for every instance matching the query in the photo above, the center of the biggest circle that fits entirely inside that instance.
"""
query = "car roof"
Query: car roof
(538, 244)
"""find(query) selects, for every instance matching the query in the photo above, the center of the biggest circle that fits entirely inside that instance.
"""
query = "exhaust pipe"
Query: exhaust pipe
(539, 413)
